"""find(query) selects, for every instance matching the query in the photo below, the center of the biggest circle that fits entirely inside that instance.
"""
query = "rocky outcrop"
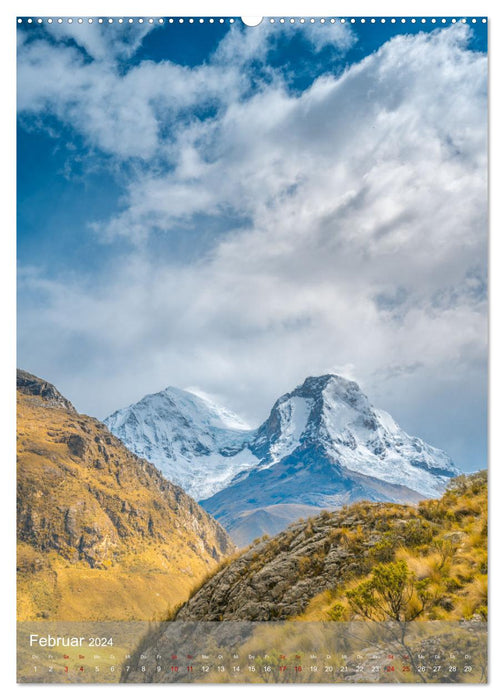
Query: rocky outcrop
(276, 578)
(30, 385)
(284, 595)
(279, 578)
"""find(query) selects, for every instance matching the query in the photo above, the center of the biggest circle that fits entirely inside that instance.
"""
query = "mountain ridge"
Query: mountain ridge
(322, 445)
(101, 533)
(303, 571)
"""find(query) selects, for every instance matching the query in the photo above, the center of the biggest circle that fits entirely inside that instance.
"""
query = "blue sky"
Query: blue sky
(236, 208)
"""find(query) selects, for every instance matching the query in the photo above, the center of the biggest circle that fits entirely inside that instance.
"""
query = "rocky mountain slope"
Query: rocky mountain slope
(101, 534)
(422, 571)
(322, 446)
(305, 570)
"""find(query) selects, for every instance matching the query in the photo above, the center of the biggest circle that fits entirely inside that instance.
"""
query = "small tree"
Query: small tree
(391, 594)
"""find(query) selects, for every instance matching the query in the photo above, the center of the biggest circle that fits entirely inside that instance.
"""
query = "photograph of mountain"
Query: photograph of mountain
(252, 349)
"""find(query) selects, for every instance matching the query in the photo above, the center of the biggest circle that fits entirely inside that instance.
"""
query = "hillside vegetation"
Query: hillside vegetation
(101, 534)
(359, 586)
(435, 563)
(339, 565)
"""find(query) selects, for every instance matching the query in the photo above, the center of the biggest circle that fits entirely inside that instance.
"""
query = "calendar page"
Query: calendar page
(252, 350)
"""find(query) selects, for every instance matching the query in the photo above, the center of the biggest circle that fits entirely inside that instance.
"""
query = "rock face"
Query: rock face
(101, 533)
(30, 385)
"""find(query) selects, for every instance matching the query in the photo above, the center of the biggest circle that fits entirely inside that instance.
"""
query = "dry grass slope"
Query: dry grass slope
(101, 534)
(308, 571)
(444, 550)
(330, 568)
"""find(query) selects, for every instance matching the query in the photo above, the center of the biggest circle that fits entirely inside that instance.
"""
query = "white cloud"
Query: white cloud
(123, 112)
(365, 247)
(103, 42)
(323, 35)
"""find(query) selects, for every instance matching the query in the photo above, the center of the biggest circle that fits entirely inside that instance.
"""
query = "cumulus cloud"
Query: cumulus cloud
(133, 113)
(102, 42)
(360, 247)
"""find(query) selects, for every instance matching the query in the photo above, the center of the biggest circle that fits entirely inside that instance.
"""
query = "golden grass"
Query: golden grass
(443, 543)
(101, 536)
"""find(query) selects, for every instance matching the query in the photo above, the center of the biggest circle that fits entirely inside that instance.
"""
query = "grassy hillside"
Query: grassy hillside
(101, 534)
(440, 557)
(355, 586)
(323, 567)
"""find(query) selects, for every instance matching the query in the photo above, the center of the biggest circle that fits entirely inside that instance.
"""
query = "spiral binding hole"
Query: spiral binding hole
(251, 22)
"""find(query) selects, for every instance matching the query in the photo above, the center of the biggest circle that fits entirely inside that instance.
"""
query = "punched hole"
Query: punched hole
(252, 21)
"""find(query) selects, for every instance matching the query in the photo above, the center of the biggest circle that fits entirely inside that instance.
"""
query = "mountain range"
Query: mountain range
(323, 445)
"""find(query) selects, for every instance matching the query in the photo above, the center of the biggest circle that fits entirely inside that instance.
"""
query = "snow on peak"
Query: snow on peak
(330, 417)
(294, 412)
(387, 421)
(195, 442)
(320, 405)
(228, 418)
(203, 447)
(334, 383)
(368, 441)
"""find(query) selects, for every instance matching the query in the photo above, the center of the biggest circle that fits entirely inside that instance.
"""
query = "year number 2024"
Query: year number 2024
(100, 642)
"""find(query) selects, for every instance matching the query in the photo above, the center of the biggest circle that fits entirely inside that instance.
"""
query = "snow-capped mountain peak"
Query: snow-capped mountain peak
(322, 445)
(332, 416)
(195, 442)
(318, 409)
